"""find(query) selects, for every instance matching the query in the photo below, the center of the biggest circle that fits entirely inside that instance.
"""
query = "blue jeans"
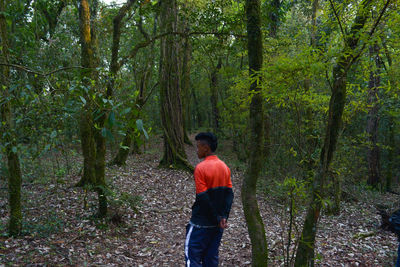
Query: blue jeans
(201, 246)
(398, 257)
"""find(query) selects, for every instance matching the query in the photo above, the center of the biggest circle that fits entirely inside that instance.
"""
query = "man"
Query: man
(211, 208)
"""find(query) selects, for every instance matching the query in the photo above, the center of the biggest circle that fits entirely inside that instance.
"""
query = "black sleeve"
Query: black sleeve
(228, 200)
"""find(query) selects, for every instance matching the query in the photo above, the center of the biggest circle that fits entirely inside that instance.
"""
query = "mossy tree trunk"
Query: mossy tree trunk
(305, 250)
(251, 210)
(373, 120)
(170, 90)
(92, 141)
(7, 133)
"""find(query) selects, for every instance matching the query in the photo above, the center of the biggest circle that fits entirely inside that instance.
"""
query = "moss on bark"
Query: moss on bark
(7, 132)
(254, 221)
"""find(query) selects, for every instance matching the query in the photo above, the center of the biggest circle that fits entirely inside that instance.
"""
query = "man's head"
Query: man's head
(206, 144)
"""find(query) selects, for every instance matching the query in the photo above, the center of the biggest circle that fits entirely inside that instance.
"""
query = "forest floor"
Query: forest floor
(60, 231)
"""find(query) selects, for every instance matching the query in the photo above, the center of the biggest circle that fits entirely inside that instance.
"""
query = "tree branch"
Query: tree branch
(44, 74)
(379, 18)
(136, 48)
(372, 30)
(338, 19)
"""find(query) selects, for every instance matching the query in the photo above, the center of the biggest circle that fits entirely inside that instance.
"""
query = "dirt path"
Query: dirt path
(60, 231)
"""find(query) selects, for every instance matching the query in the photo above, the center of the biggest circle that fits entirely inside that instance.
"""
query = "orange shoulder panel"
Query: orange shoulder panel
(212, 173)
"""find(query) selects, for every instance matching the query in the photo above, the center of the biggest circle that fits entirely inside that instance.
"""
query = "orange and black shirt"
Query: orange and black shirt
(214, 195)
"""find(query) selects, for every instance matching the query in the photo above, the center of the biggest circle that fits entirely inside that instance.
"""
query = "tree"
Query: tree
(254, 221)
(170, 90)
(8, 132)
(92, 139)
(349, 54)
(142, 84)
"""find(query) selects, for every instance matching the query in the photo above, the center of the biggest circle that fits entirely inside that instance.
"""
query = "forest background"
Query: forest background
(303, 96)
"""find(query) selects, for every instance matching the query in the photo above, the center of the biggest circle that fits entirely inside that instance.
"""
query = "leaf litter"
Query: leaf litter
(60, 231)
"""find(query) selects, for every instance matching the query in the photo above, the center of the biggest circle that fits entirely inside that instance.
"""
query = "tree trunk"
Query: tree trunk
(186, 67)
(86, 119)
(214, 96)
(389, 175)
(254, 221)
(274, 18)
(170, 91)
(305, 250)
(123, 153)
(373, 120)
(14, 171)
(93, 142)
(199, 117)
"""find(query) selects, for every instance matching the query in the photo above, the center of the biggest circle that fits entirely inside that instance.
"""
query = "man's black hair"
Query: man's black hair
(209, 138)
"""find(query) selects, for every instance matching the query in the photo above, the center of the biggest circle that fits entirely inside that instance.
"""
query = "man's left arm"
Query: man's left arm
(228, 200)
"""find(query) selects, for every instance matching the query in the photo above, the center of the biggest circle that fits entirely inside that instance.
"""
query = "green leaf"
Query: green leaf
(83, 100)
(145, 134)
(125, 111)
(14, 149)
(111, 119)
(139, 125)
(124, 147)
(107, 134)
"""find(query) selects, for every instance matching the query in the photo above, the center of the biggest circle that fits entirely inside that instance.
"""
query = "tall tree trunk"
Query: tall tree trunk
(253, 218)
(123, 151)
(186, 67)
(389, 174)
(99, 138)
(93, 142)
(199, 117)
(86, 119)
(373, 120)
(214, 96)
(305, 250)
(170, 90)
(14, 171)
(274, 17)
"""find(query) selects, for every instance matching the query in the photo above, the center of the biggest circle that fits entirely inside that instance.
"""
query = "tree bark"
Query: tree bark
(305, 250)
(389, 174)
(274, 18)
(170, 91)
(86, 118)
(373, 120)
(186, 67)
(214, 96)
(199, 117)
(93, 142)
(13, 164)
(253, 218)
